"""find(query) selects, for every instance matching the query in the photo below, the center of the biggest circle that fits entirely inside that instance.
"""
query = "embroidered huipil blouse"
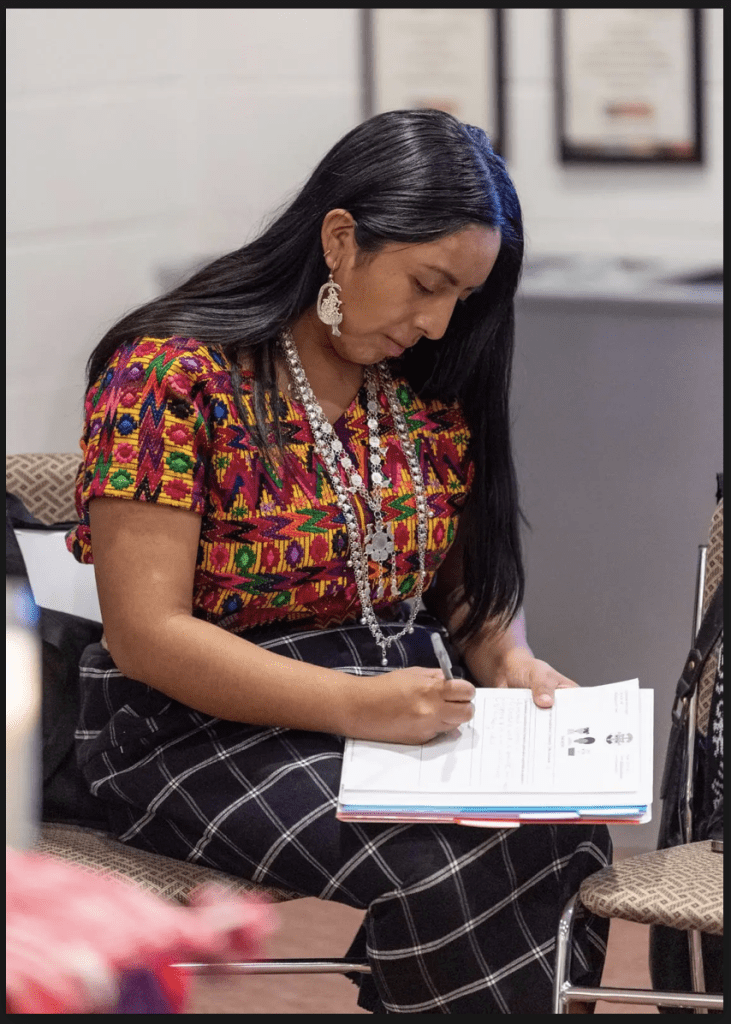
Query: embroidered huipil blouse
(161, 425)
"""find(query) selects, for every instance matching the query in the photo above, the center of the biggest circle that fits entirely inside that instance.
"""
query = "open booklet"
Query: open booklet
(589, 757)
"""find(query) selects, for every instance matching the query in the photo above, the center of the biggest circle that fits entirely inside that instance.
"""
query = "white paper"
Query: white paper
(516, 760)
(586, 743)
(359, 789)
(57, 580)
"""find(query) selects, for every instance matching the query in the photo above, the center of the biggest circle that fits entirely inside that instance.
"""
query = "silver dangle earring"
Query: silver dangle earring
(329, 304)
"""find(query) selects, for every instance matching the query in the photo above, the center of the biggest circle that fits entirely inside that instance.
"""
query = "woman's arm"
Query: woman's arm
(144, 559)
(500, 658)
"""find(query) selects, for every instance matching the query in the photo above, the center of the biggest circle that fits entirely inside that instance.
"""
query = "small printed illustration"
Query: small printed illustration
(579, 736)
(619, 737)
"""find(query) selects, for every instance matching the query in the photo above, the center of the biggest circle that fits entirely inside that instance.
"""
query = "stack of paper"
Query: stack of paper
(589, 757)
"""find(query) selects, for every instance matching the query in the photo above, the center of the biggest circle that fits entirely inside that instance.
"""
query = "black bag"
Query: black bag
(669, 955)
(672, 826)
(65, 796)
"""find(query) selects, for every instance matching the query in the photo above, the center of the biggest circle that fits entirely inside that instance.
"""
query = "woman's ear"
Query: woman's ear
(338, 236)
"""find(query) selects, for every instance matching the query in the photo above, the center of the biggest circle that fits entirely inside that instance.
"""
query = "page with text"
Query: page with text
(588, 742)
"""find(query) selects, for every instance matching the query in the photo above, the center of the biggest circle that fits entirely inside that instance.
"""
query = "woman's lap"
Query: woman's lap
(458, 919)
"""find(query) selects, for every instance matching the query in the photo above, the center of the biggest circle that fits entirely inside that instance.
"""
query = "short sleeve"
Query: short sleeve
(147, 435)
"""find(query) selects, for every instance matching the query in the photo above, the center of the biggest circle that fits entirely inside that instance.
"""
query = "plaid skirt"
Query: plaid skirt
(457, 919)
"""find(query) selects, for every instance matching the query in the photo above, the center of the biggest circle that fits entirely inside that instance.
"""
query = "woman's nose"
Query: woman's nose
(433, 322)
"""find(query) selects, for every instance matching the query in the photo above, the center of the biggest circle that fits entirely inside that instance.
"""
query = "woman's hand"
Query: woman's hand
(410, 705)
(518, 668)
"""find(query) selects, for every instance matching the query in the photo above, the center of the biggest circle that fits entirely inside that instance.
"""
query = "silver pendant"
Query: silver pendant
(328, 305)
(379, 543)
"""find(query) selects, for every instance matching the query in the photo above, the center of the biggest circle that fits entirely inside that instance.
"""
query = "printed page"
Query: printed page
(601, 804)
(596, 741)
(587, 742)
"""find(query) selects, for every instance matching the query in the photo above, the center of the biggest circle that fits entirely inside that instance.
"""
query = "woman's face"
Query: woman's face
(404, 292)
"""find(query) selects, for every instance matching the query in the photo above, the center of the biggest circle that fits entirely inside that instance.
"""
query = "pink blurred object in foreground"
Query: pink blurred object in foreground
(74, 936)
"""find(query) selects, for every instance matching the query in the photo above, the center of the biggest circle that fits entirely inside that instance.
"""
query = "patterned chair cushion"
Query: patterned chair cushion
(681, 887)
(164, 876)
(45, 483)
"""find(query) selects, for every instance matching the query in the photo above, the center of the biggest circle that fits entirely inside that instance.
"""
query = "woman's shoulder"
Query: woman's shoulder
(162, 360)
(186, 352)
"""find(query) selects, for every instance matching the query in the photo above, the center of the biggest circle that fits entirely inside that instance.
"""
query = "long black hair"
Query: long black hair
(409, 176)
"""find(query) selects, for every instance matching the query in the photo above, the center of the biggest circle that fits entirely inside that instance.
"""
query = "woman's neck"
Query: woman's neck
(334, 381)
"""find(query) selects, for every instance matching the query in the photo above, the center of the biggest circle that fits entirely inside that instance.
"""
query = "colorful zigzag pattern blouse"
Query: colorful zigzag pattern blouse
(161, 425)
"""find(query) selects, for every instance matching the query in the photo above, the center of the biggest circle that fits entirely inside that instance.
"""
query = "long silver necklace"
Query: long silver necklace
(378, 544)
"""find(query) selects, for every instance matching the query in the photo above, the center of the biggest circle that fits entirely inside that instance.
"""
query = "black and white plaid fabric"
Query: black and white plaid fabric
(458, 919)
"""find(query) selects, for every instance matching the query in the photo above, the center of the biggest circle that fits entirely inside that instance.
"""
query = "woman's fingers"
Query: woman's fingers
(458, 690)
(458, 695)
(457, 712)
(546, 684)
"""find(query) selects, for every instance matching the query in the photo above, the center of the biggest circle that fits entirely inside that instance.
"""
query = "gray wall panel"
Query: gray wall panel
(617, 411)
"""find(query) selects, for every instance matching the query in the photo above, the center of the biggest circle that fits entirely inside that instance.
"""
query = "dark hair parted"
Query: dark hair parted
(409, 176)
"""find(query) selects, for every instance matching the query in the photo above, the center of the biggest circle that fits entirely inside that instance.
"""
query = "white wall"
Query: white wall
(139, 139)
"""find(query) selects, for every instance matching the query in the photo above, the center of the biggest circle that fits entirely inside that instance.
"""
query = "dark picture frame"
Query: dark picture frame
(628, 142)
(373, 76)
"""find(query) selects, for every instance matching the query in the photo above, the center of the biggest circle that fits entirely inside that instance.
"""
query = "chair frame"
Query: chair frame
(565, 993)
(337, 965)
(699, 1001)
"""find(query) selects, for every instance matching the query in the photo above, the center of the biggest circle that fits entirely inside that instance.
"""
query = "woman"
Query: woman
(304, 424)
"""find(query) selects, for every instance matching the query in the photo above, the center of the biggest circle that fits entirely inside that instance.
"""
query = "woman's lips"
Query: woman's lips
(394, 349)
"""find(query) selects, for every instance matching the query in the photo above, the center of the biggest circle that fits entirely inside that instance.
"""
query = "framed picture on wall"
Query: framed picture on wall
(629, 84)
(445, 58)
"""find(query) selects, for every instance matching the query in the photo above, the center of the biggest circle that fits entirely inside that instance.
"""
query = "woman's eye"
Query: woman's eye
(422, 288)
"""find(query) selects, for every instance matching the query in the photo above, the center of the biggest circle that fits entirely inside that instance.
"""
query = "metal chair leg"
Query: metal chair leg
(321, 965)
(697, 972)
(561, 976)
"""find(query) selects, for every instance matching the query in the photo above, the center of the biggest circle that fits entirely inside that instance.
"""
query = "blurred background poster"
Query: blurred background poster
(629, 83)
(446, 58)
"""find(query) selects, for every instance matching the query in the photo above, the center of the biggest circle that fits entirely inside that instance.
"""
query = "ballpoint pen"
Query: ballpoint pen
(442, 657)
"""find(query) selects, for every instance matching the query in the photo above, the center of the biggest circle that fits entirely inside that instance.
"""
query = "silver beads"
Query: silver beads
(378, 542)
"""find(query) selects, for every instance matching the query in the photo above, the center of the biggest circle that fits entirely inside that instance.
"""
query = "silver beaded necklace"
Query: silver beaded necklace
(378, 543)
